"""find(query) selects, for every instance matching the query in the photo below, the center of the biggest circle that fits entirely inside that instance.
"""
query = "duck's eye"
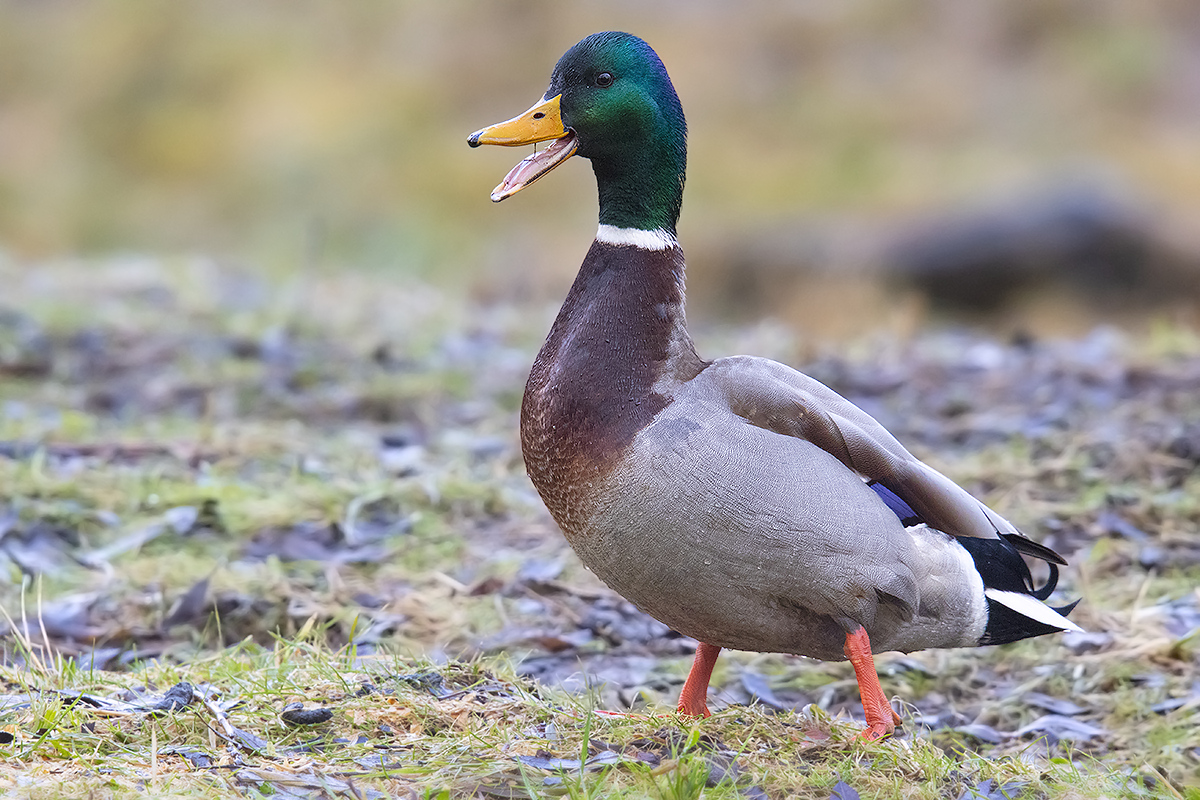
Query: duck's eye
(604, 80)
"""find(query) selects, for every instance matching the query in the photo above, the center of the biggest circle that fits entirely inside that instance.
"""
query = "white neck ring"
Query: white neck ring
(657, 239)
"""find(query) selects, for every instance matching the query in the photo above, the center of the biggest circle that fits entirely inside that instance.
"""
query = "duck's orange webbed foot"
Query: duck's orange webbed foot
(693, 698)
(881, 719)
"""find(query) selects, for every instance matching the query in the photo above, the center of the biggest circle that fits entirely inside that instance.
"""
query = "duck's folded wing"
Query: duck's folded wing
(780, 399)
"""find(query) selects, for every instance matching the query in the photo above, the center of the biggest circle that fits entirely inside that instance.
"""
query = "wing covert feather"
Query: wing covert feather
(775, 397)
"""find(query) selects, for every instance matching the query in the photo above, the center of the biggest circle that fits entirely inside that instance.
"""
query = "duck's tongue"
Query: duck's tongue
(535, 166)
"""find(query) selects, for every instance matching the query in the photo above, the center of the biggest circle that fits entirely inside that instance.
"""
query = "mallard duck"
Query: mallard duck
(738, 501)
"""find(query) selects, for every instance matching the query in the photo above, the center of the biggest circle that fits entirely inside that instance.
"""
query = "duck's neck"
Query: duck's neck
(643, 189)
(622, 330)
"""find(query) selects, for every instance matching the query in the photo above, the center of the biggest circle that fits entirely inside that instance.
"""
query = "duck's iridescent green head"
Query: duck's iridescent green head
(610, 100)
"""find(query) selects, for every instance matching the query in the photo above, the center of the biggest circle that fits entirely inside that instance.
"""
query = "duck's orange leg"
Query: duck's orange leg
(693, 698)
(881, 719)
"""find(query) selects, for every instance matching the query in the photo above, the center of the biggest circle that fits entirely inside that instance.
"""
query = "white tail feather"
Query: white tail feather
(1033, 608)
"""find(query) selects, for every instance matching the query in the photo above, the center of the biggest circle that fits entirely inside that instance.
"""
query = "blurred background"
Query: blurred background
(263, 334)
(1027, 166)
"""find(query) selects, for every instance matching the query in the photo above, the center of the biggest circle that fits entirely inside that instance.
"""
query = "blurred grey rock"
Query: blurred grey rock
(1088, 234)
(1060, 728)
(1055, 705)
(1086, 642)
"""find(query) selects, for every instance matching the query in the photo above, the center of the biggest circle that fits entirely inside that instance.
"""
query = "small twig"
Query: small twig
(1151, 574)
(1161, 780)
(498, 603)
(565, 588)
(133, 541)
(220, 717)
(456, 586)
(20, 634)
(34, 659)
(574, 618)
(41, 619)
(350, 521)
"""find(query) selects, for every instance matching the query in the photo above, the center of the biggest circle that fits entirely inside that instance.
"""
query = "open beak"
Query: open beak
(541, 123)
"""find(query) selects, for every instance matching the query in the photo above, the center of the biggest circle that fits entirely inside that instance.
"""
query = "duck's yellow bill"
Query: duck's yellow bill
(541, 123)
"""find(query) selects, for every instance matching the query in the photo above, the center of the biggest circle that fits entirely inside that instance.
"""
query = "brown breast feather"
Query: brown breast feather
(605, 371)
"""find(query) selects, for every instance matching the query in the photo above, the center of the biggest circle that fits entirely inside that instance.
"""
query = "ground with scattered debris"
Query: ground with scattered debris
(274, 537)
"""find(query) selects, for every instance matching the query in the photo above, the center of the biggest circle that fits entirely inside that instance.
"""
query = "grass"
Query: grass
(404, 727)
(284, 500)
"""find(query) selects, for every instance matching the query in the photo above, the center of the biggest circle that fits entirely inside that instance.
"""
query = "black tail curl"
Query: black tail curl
(1001, 566)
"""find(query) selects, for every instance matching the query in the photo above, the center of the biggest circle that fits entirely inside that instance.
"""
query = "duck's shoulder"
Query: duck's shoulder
(754, 379)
